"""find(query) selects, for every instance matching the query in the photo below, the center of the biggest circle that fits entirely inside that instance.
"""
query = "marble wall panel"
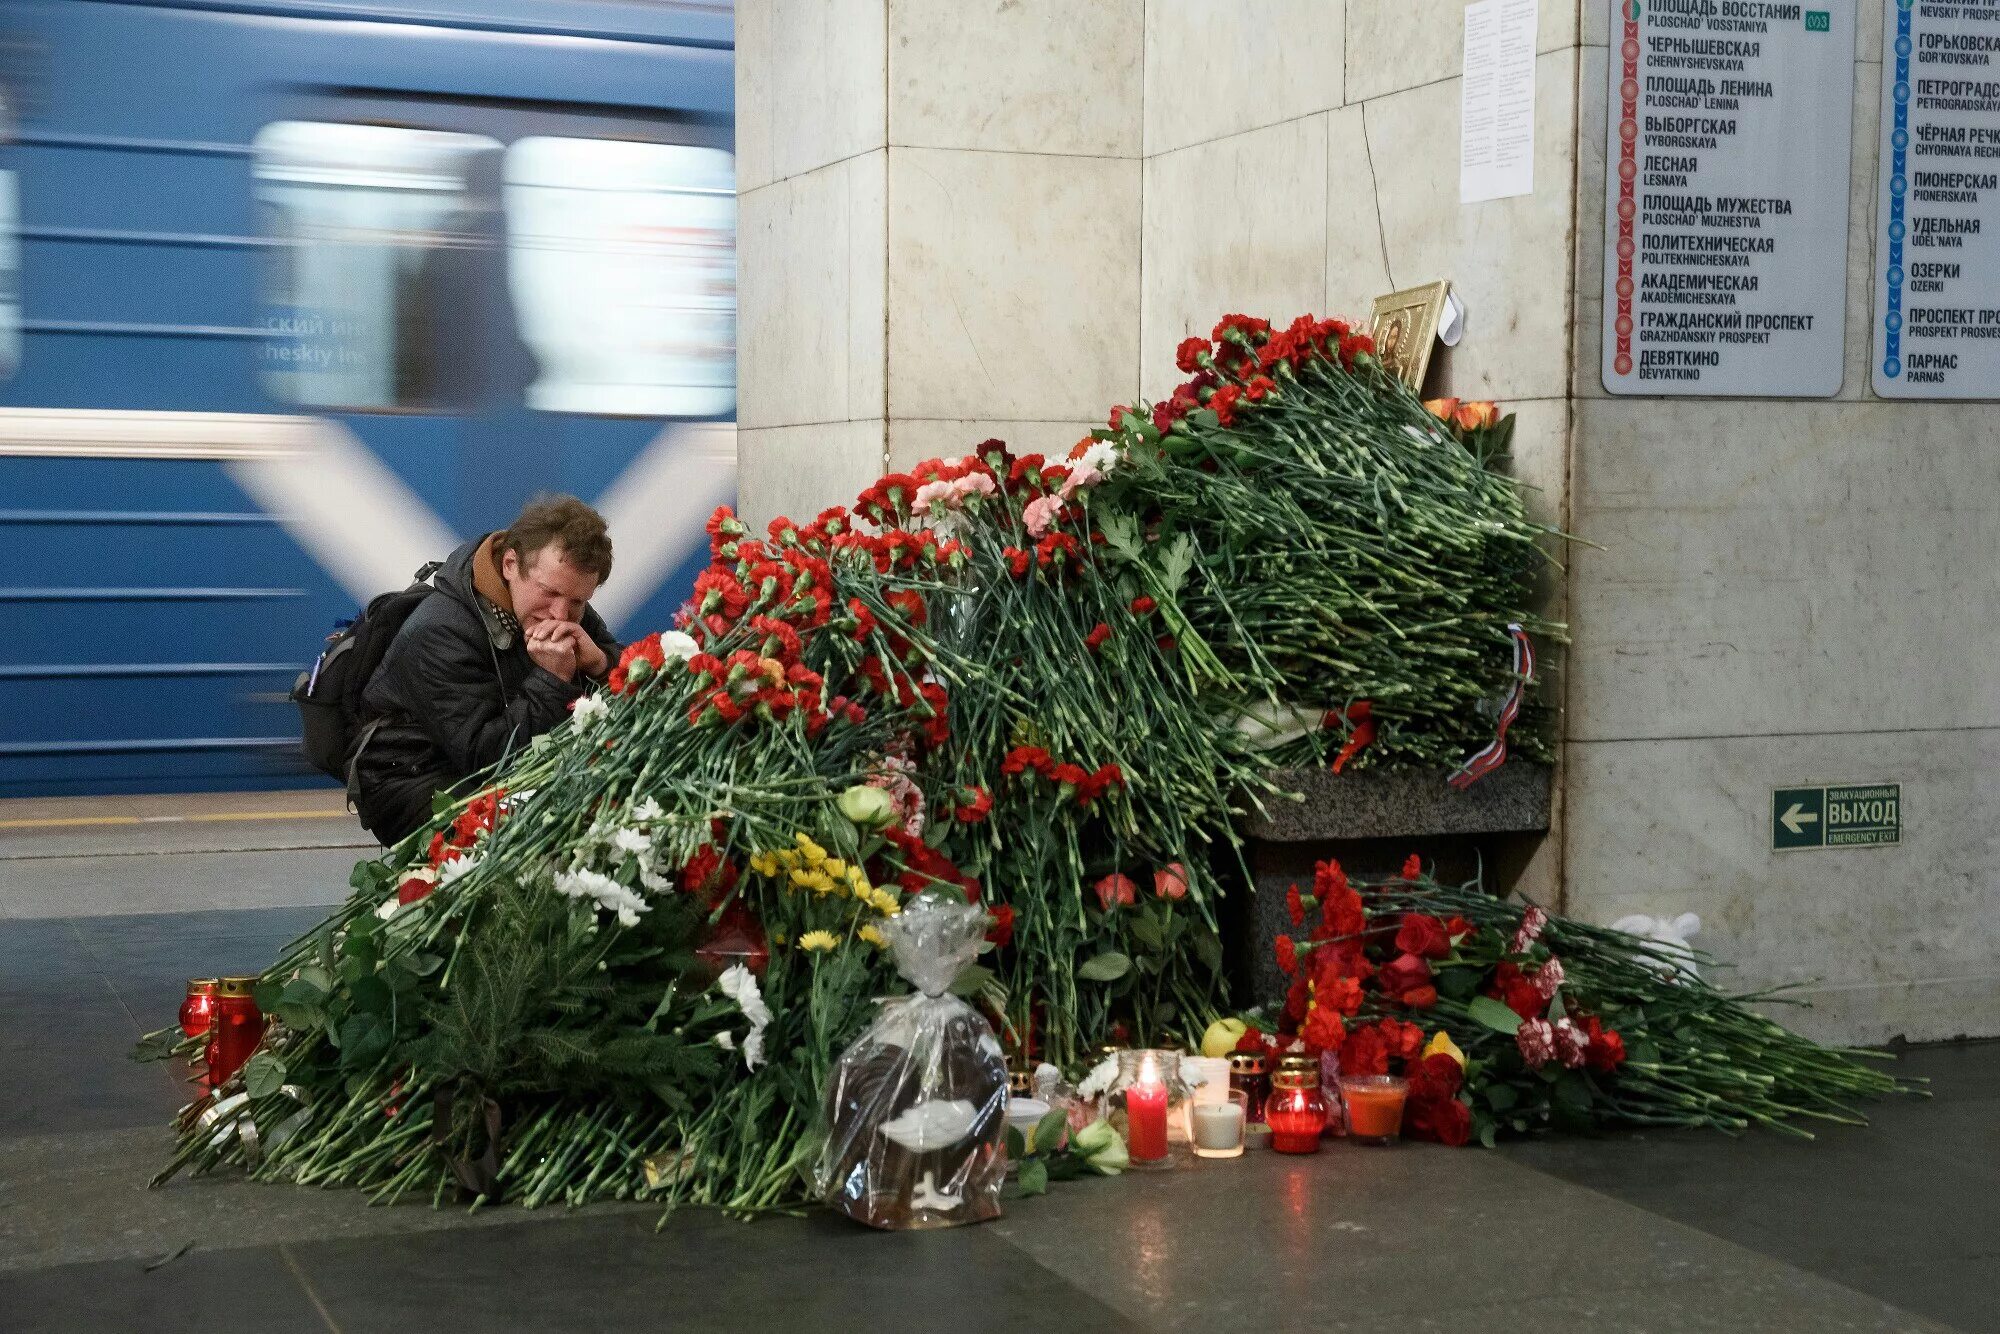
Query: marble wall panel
(1013, 284)
(811, 80)
(1783, 568)
(1357, 267)
(1236, 224)
(1397, 44)
(1510, 260)
(1899, 940)
(800, 470)
(811, 288)
(1217, 67)
(1027, 76)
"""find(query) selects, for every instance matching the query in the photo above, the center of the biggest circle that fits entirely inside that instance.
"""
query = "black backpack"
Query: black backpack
(329, 692)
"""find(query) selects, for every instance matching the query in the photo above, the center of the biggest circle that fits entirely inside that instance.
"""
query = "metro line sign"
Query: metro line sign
(1858, 815)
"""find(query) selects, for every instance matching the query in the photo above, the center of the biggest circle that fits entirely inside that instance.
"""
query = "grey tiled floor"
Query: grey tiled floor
(1896, 1226)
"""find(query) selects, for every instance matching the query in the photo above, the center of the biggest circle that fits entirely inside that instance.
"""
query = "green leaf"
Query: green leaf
(370, 995)
(1147, 932)
(1573, 1092)
(1179, 559)
(1121, 533)
(363, 1038)
(1049, 1131)
(423, 965)
(157, 1046)
(299, 1016)
(299, 991)
(368, 875)
(1106, 967)
(266, 995)
(263, 1074)
(1034, 1177)
(326, 955)
(1457, 983)
(1017, 1147)
(1065, 1167)
(1494, 1015)
(1487, 1131)
(970, 979)
(1502, 1097)
(1208, 949)
(317, 976)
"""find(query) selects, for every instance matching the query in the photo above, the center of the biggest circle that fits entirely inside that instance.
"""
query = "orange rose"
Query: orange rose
(1442, 408)
(1476, 416)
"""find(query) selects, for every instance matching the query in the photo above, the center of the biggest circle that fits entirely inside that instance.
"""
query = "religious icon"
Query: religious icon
(1405, 327)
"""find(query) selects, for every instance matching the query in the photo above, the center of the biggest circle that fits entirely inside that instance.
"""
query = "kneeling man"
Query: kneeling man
(494, 657)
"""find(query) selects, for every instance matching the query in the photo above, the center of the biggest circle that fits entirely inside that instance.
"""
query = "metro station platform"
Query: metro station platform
(110, 905)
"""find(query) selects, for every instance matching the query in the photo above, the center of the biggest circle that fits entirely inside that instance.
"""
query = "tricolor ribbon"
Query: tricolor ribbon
(1495, 753)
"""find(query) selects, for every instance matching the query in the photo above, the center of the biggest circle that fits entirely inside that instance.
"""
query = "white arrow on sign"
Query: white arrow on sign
(1797, 818)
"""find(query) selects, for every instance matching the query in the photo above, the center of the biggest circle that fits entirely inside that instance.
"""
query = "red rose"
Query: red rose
(1117, 891)
(1170, 882)
(418, 887)
(1001, 933)
(1516, 991)
(1420, 998)
(1404, 973)
(1423, 935)
(1404, 1040)
(1436, 1078)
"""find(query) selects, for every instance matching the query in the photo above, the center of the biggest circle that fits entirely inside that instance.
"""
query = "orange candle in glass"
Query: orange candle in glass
(1374, 1107)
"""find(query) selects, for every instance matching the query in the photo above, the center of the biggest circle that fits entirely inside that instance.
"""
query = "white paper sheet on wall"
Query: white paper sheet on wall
(1496, 146)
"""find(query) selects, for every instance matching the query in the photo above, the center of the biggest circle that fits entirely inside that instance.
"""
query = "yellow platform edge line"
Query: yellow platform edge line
(86, 821)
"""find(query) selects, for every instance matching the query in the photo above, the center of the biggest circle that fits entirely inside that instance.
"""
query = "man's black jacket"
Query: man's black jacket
(456, 692)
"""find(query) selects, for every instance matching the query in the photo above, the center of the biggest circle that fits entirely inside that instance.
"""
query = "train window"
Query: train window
(621, 261)
(10, 278)
(372, 282)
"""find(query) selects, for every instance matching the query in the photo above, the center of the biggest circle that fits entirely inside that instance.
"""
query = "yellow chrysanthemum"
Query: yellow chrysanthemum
(818, 940)
(765, 864)
(834, 867)
(814, 853)
(857, 880)
(873, 935)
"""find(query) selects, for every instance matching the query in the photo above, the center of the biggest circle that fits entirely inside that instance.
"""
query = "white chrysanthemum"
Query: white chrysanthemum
(654, 882)
(677, 645)
(1102, 456)
(606, 893)
(629, 843)
(454, 869)
(646, 811)
(589, 711)
(740, 986)
(1099, 1079)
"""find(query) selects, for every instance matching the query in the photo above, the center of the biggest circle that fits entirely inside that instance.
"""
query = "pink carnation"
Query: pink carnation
(1571, 1042)
(1548, 977)
(1530, 930)
(1040, 514)
(1537, 1040)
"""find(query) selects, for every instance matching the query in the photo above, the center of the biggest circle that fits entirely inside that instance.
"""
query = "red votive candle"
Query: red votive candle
(1146, 1117)
(1374, 1107)
(1296, 1109)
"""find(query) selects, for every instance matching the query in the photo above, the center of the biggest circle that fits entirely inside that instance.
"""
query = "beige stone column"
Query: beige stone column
(939, 235)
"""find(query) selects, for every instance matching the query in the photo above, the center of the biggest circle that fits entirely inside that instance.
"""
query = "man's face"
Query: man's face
(548, 587)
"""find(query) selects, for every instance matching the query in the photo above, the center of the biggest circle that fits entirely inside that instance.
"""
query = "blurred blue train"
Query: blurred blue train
(295, 294)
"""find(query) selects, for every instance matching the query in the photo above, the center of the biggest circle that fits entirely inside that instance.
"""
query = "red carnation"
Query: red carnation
(1143, 605)
(1340, 993)
(975, 809)
(1288, 955)
(1018, 561)
(1413, 867)
(1001, 933)
(1606, 1051)
(1296, 906)
(1323, 1030)
(1188, 356)
(1098, 634)
(1423, 935)
(1365, 1052)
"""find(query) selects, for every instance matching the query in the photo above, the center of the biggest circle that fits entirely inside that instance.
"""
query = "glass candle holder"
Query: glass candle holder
(1374, 1107)
(1247, 1073)
(198, 1010)
(1150, 1093)
(1218, 1126)
(1296, 1109)
(238, 1028)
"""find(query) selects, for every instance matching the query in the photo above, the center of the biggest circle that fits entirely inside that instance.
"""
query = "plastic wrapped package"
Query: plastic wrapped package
(916, 1106)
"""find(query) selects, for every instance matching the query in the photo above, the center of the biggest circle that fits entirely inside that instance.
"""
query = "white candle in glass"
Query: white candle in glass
(1218, 1127)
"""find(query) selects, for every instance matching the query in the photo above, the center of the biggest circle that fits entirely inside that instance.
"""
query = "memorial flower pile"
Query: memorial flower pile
(1044, 686)
(1504, 1017)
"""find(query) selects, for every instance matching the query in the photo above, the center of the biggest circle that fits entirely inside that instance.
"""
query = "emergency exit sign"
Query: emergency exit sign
(1860, 815)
